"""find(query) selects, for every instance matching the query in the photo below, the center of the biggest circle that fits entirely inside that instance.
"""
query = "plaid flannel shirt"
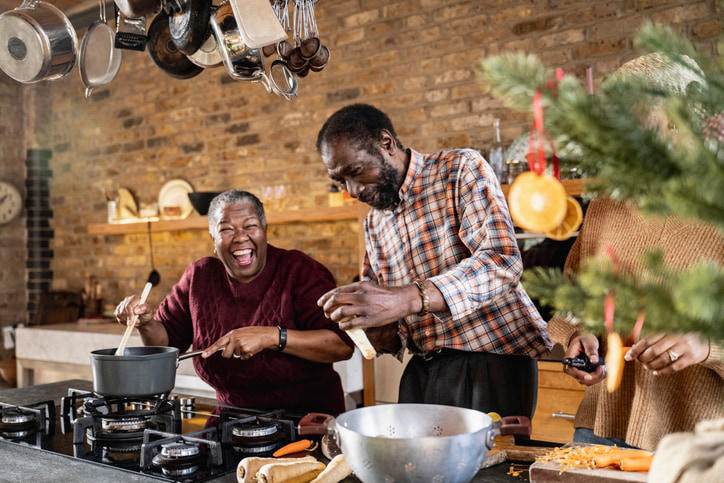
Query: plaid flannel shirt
(452, 227)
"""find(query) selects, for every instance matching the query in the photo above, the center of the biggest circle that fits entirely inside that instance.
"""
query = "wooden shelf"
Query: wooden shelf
(349, 211)
(574, 187)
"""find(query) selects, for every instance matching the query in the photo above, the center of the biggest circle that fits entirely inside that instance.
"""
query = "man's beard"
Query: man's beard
(386, 189)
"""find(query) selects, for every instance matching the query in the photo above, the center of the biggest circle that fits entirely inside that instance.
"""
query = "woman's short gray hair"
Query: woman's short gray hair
(233, 197)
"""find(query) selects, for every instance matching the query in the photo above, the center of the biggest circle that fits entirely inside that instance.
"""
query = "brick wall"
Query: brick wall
(412, 58)
(12, 235)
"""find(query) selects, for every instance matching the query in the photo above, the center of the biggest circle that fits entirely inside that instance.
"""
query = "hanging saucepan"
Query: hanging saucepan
(140, 371)
(99, 60)
(190, 27)
(164, 53)
(245, 63)
(37, 42)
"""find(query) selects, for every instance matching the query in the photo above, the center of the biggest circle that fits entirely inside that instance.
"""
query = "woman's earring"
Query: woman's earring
(214, 250)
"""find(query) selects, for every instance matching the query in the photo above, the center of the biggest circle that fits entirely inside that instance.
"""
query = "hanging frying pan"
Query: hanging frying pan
(208, 54)
(190, 27)
(164, 53)
(99, 59)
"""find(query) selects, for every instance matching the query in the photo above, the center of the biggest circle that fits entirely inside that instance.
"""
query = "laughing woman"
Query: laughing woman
(257, 304)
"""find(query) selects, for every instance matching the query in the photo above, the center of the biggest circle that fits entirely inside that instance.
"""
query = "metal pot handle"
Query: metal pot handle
(188, 355)
(31, 4)
(491, 435)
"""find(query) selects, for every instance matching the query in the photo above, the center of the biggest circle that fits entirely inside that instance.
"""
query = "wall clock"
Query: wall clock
(11, 202)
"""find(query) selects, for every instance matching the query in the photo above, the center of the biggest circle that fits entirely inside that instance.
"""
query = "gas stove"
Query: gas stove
(167, 437)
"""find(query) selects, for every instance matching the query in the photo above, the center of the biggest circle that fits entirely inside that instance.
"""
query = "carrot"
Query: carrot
(636, 464)
(294, 447)
(613, 458)
(336, 471)
(248, 467)
(297, 472)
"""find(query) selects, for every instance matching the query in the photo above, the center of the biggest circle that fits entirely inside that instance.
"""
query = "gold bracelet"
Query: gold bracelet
(425, 298)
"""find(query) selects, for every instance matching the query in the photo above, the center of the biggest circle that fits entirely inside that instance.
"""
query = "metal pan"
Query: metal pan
(420, 442)
(164, 52)
(190, 27)
(140, 371)
(37, 42)
(99, 60)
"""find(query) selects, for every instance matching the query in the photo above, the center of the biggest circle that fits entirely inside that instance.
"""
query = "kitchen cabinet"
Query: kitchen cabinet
(559, 396)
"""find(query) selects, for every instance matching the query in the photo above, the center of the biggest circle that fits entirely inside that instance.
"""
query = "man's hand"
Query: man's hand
(369, 304)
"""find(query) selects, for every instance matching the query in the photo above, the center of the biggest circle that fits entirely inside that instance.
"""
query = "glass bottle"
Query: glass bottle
(496, 156)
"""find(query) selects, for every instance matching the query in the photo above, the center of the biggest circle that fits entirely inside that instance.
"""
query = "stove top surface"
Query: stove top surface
(174, 438)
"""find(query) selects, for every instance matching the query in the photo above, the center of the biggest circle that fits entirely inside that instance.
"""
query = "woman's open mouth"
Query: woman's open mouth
(243, 257)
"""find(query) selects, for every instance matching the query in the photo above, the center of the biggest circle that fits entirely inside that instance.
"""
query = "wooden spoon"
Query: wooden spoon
(153, 278)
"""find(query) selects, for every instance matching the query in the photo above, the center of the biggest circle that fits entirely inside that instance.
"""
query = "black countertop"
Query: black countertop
(21, 463)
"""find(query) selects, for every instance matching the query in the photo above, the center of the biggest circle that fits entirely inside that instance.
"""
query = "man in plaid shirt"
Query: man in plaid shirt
(441, 273)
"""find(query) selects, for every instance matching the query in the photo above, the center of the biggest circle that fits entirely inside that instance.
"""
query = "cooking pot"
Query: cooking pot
(419, 442)
(245, 63)
(140, 371)
(37, 42)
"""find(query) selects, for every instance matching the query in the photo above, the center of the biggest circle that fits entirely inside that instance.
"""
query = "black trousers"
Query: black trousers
(507, 385)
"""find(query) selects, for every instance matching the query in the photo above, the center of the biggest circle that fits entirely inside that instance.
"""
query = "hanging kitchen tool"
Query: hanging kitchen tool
(130, 32)
(164, 53)
(139, 8)
(153, 279)
(37, 42)
(99, 60)
(245, 63)
(190, 27)
(257, 23)
(308, 53)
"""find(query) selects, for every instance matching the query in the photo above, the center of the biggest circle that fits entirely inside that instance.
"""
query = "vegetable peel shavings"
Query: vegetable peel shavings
(599, 456)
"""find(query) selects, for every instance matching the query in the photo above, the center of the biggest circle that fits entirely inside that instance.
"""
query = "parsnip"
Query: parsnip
(336, 471)
(248, 467)
(359, 337)
(283, 472)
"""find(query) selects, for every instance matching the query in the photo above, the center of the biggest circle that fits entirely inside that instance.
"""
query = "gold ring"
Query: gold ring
(673, 356)
(236, 356)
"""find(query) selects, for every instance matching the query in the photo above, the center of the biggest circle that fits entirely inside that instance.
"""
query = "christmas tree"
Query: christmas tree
(656, 140)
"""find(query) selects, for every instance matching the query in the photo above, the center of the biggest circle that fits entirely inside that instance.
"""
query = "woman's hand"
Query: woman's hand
(667, 353)
(129, 307)
(585, 344)
(244, 342)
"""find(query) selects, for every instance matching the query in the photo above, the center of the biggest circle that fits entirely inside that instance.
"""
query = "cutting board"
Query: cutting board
(505, 449)
(542, 471)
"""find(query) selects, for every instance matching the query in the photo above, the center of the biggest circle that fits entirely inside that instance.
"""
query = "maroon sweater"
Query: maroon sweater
(206, 304)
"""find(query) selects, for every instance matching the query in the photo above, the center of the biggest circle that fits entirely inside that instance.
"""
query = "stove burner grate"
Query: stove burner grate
(181, 454)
